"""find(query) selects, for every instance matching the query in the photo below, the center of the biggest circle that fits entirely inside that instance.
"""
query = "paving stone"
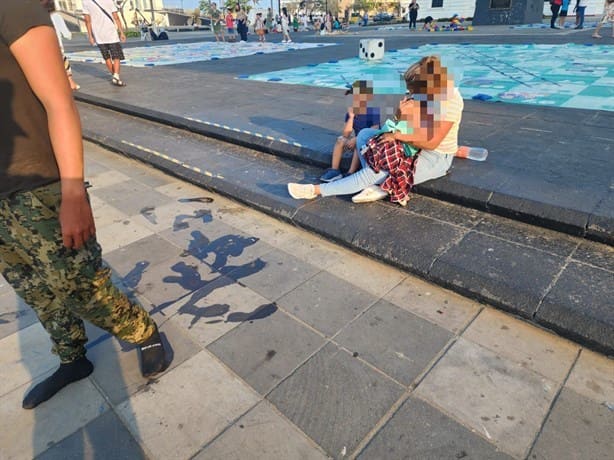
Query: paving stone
(187, 191)
(30, 432)
(374, 277)
(186, 408)
(601, 221)
(151, 250)
(498, 271)
(170, 281)
(131, 197)
(375, 229)
(580, 304)
(280, 274)
(490, 394)
(119, 234)
(116, 368)
(313, 249)
(15, 314)
(528, 235)
(103, 437)
(527, 345)
(92, 168)
(209, 313)
(576, 428)
(444, 308)
(25, 356)
(593, 377)
(418, 430)
(262, 433)
(326, 302)
(108, 178)
(173, 215)
(105, 214)
(597, 254)
(443, 211)
(338, 388)
(264, 352)
(394, 340)
(336, 217)
(217, 244)
(562, 215)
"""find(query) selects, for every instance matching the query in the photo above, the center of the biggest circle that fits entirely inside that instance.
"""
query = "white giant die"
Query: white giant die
(371, 49)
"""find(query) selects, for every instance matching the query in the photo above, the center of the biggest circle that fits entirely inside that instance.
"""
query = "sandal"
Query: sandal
(117, 82)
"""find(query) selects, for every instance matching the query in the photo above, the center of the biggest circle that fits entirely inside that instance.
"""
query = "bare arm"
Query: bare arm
(38, 55)
(88, 25)
(349, 124)
(420, 138)
(119, 26)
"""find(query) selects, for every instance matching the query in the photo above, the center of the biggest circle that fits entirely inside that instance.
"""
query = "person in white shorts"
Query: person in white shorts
(103, 24)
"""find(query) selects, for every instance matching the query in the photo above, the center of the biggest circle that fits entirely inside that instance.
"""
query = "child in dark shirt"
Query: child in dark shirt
(358, 116)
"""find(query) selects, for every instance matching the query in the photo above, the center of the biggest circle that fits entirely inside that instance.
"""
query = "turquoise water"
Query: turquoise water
(571, 75)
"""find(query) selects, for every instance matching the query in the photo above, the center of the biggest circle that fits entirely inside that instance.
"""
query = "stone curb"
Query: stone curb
(374, 231)
(577, 223)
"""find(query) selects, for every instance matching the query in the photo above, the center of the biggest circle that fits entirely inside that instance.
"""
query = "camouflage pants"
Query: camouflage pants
(62, 285)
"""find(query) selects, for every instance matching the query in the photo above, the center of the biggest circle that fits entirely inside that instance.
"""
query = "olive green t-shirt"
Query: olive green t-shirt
(26, 155)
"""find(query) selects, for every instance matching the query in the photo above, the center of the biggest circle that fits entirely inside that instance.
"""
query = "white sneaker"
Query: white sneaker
(302, 191)
(371, 193)
(289, 41)
(283, 41)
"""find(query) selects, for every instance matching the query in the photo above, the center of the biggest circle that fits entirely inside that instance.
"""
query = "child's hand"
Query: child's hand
(351, 112)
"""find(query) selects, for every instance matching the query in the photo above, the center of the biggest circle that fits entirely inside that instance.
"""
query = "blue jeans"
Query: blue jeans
(360, 180)
(580, 13)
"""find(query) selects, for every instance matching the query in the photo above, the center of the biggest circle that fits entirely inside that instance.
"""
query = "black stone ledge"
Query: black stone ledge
(596, 227)
(476, 265)
(580, 306)
(262, 144)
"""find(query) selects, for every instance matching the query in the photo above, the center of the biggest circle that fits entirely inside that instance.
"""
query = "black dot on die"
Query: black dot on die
(372, 55)
(380, 44)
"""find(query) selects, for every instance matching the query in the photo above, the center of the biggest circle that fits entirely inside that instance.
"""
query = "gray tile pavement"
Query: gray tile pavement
(257, 379)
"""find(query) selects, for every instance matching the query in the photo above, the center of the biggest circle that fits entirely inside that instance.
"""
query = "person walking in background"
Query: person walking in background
(216, 23)
(102, 23)
(608, 16)
(270, 20)
(62, 32)
(230, 25)
(259, 27)
(241, 18)
(563, 13)
(555, 6)
(579, 10)
(413, 13)
(48, 248)
(285, 26)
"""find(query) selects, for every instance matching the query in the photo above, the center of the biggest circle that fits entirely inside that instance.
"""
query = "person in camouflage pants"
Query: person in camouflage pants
(62, 285)
(48, 247)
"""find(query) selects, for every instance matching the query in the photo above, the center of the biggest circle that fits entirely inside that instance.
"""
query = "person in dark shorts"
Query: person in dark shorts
(103, 24)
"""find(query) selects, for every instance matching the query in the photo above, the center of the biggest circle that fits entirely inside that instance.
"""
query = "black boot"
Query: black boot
(152, 355)
(66, 374)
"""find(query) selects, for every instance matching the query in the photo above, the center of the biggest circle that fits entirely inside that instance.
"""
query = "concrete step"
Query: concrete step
(549, 278)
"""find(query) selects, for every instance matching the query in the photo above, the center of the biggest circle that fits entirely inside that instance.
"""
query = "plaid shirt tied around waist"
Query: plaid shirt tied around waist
(390, 156)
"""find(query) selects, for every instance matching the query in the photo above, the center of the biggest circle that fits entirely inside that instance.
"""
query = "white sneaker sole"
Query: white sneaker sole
(370, 194)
